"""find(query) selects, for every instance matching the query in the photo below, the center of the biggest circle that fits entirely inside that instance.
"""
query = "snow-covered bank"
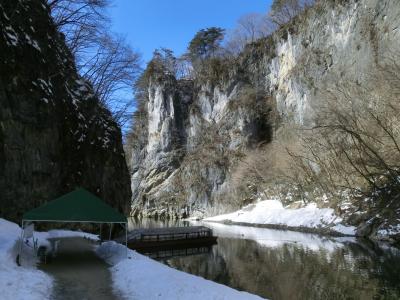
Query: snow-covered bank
(272, 238)
(272, 212)
(139, 277)
(19, 283)
(26, 282)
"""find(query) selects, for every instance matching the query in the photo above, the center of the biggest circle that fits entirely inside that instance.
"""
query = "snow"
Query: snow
(139, 277)
(272, 212)
(18, 283)
(32, 42)
(133, 277)
(5, 16)
(26, 282)
(391, 230)
(12, 36)
(43, 237)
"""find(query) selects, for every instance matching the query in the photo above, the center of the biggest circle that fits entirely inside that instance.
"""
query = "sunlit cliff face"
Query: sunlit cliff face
(195, 139)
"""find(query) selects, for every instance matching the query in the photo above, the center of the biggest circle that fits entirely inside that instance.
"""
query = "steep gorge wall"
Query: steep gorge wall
(54, 134)
(195, 133)
(334, 42)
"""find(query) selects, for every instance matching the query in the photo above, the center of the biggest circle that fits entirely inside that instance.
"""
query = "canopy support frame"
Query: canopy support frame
(21, 240)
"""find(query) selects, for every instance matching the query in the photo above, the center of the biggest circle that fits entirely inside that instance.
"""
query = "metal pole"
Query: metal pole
(101, 239)
(18, 259)
(110, 232)
(126, 238)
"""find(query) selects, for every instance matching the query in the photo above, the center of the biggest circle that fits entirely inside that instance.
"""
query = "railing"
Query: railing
(172, 236)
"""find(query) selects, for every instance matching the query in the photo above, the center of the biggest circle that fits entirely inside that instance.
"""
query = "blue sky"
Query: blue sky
(150, 24)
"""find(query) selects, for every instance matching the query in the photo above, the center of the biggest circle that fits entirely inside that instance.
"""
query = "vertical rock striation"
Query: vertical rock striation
(54, 133)
(195, 132)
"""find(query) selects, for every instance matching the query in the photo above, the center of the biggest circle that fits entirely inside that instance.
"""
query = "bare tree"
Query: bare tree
(102, 58)
(112, 69)
(355, 143)
(249, 28)
(81, 21)
(254, 26)
(282, 11)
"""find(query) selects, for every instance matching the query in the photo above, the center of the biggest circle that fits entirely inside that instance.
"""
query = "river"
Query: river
(278, 264)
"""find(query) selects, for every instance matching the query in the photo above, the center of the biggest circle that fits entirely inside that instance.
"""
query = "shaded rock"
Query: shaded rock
(54, 133)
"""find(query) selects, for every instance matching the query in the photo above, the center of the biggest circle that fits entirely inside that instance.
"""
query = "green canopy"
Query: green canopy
(76, 206)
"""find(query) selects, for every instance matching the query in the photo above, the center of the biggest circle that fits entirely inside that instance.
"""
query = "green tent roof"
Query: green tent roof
(76, 206)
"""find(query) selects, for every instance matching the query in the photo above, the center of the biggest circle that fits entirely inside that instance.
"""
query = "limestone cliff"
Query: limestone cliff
(194, 133)
(54, 133)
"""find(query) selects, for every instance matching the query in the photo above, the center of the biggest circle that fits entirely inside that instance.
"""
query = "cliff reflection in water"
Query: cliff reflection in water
(290, 265)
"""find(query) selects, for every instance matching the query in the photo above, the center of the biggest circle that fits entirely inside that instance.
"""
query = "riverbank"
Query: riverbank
(283, 264)
(133, 276)
(271, 214)
(136, 276)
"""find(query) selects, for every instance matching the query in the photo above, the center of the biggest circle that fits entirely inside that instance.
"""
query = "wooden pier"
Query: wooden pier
(170, 238)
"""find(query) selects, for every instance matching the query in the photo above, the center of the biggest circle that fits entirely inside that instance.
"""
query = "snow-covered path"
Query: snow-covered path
(136, 277)
(78, 272)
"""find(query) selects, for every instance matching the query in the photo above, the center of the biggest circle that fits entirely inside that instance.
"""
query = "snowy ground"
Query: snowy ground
(136, 277)
(272, 212)
(18, 283)
(139, 277)
(25, 282)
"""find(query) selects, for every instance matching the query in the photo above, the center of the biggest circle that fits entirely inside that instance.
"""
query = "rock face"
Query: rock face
(334, 42)
(193, 133)
(54, 133)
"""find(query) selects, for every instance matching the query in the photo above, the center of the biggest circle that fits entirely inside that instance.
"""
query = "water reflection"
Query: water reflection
(176, 252)
(289, 265)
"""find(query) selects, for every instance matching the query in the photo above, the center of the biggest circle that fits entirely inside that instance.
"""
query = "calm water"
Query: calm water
(280, 264)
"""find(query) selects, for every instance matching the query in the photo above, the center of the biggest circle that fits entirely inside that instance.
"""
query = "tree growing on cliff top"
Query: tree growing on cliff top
(282, 11)
(249, 28)
(205, 44)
